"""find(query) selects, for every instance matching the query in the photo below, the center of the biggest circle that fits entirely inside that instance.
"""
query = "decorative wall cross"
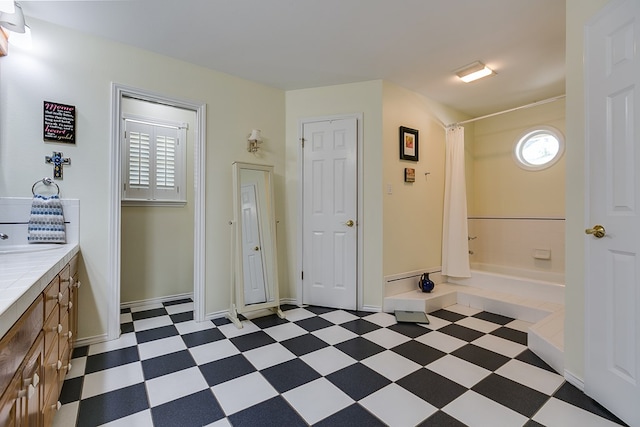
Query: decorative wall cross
(58, 161)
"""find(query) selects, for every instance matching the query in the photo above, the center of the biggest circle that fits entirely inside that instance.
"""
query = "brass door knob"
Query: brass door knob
(597, 230)
(349, 223)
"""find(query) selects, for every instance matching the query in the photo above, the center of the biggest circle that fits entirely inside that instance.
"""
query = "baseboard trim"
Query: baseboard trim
(216, 315)
(371, 308)
(574, 380)
(97, 339)
(159, 300)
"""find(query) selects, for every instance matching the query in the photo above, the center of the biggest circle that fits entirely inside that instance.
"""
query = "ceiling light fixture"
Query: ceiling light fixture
(474, 71)
(13, 22)
(19, 31)
(7, 6)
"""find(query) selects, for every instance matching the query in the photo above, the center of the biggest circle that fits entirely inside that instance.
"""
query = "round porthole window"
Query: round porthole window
(539, 148)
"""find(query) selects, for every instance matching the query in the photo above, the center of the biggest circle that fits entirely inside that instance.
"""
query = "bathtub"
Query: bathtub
(539, 285)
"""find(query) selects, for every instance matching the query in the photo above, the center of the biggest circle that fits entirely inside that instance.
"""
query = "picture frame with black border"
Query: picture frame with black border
(408, 144)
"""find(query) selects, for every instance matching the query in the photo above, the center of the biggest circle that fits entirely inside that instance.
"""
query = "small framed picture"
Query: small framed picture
(409, 175)
(408, 144)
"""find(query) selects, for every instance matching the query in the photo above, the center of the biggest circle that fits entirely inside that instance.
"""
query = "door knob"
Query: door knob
(257, 248)
(597, 230)
(349, 223)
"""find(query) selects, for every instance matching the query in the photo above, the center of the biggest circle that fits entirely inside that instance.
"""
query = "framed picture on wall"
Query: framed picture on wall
(408, 144)
(409, 175)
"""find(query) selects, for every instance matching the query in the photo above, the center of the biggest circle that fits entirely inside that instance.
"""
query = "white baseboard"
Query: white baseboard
(573, 380)
(372, 308)
(216, 314)
(91, 340)
(159, 300)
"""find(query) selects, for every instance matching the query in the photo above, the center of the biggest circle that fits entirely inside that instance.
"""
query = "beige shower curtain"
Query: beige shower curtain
(455, 243)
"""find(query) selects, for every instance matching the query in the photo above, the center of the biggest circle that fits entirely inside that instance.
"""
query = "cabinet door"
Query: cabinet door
(10, 404)
(32, 390)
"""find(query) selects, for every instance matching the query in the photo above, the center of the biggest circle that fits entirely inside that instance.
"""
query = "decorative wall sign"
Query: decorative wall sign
(409, 175)
(57, 161)
(59, 122)
(408, 144)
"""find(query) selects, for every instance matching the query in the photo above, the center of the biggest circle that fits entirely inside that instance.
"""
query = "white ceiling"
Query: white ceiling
(293, 44)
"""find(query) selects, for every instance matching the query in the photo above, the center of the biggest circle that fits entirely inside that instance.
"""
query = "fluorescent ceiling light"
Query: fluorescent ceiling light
(474, 71)
(7, 6)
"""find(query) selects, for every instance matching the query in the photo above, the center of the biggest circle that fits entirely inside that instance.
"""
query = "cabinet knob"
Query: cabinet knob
(77, 284)
(27, 392)
(57, 365)
(56, 406)
(59, 296)
(59, 328)
(32, 381)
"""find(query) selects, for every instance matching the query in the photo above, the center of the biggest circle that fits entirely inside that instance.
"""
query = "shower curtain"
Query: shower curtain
(455, 243)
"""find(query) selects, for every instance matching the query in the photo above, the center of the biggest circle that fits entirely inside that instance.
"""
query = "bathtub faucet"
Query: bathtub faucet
(3, 236)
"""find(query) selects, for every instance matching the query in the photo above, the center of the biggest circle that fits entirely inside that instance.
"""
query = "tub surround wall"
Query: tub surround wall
(508, 245)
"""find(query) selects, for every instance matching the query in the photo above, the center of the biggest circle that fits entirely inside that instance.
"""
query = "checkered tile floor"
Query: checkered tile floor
(322, 367)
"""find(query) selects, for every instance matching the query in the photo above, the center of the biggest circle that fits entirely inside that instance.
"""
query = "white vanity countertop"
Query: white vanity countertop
(24, 275)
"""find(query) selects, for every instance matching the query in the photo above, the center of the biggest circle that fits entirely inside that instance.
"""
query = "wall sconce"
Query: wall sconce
(19, 31)
(473, 72)
(254, 139)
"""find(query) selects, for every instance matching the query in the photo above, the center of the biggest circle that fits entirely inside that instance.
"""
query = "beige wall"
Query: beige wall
(501, 187)
(157, 241)
(72, 68)
(413, 211)
(578, 13)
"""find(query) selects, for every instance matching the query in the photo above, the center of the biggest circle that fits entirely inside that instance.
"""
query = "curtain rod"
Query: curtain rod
(533, 104)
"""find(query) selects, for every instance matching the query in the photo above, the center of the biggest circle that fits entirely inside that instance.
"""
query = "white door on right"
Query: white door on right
(612, 321)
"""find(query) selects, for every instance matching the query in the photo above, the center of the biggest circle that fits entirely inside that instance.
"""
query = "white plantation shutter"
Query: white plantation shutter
(154, 164)
(139, 162)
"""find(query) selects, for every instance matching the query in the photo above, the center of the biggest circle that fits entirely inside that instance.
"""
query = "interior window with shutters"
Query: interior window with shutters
(154, 163)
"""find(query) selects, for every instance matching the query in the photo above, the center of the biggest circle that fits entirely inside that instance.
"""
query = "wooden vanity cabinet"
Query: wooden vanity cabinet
(35, 354)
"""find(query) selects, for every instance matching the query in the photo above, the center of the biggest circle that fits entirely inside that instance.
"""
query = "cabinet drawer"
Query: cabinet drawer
(51, 296)
(73, 266)
(51, 331)
(65, 277)
(18, 340)
(64, 302)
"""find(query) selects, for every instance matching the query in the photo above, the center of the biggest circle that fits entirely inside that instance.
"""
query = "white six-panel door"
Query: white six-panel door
(330, 213)
(612, 321)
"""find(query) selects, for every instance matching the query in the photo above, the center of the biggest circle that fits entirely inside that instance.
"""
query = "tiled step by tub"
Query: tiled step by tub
(545, 336)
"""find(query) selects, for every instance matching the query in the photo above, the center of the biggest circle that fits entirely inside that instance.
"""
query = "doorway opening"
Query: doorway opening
(121, 95)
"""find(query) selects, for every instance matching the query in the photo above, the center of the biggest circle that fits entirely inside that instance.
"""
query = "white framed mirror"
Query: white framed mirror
(255, 285)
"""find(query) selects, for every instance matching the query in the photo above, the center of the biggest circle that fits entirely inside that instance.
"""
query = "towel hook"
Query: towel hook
(46, 181)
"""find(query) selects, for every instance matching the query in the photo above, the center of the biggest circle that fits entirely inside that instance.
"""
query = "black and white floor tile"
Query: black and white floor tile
(319, 366)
